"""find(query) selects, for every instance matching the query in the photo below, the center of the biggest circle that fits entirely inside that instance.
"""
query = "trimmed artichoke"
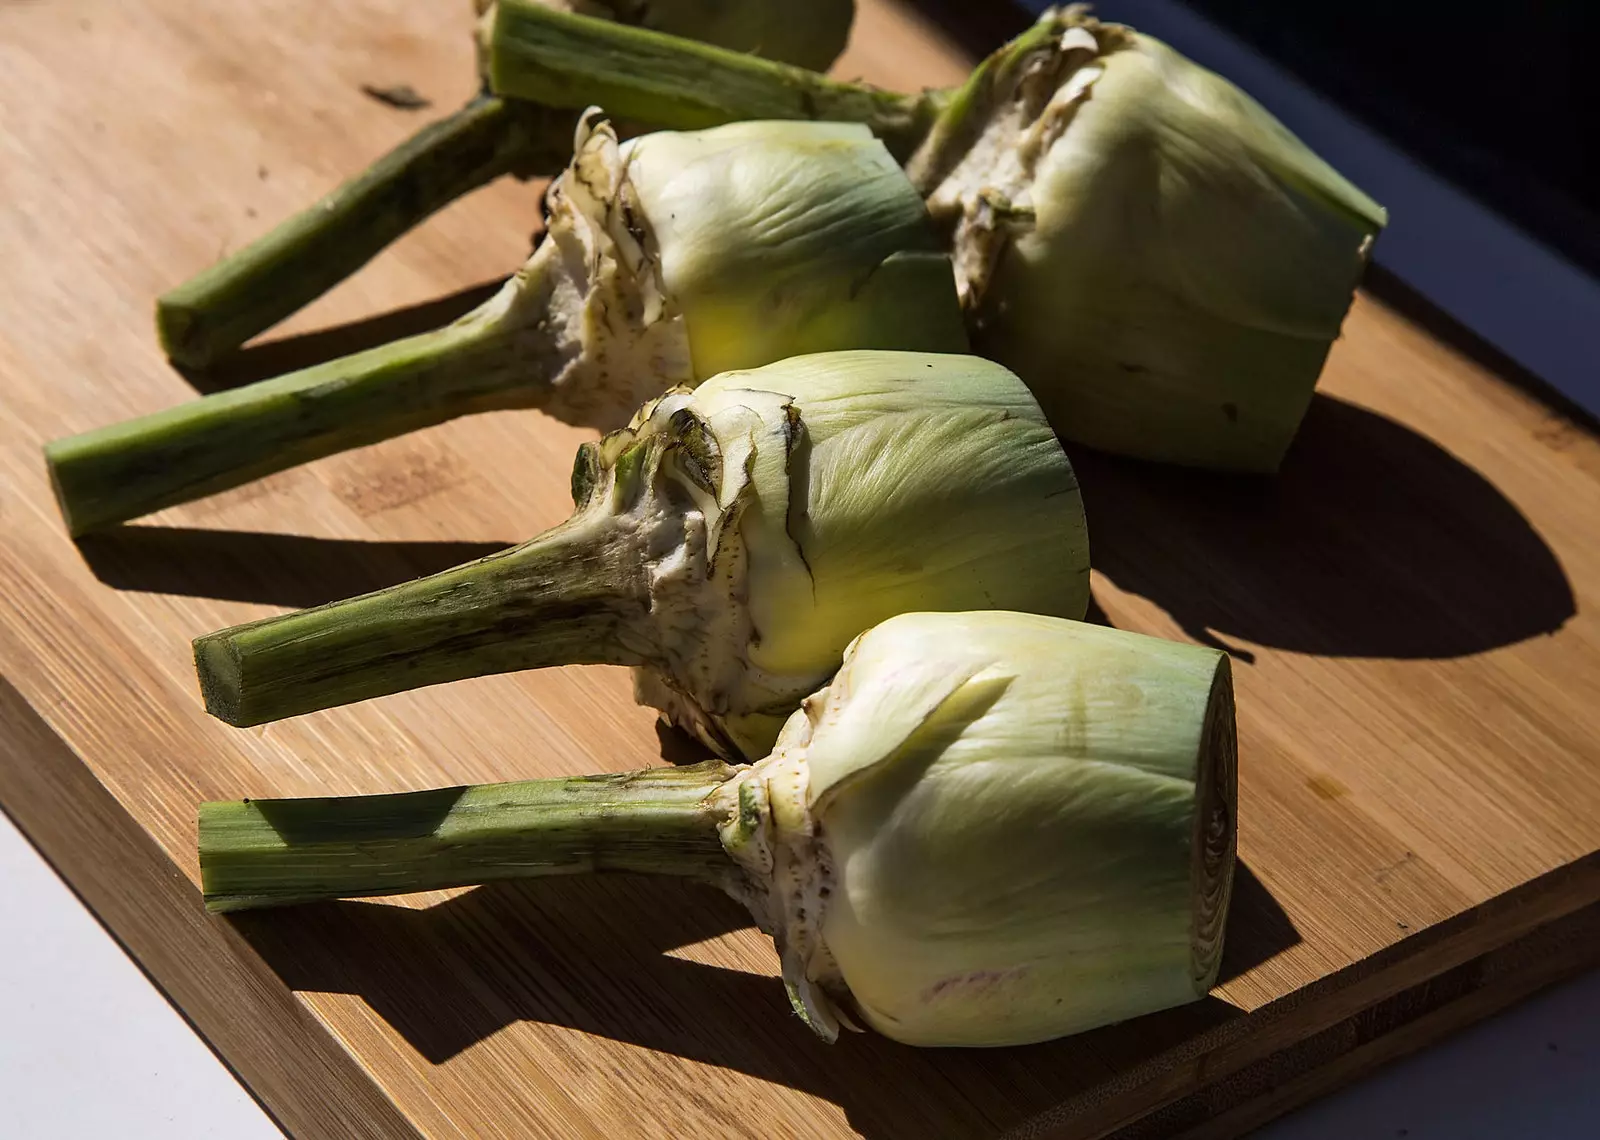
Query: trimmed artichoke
(730, 543)
(216, 311)
(667, 259)
(1161, 260)
(990, 829)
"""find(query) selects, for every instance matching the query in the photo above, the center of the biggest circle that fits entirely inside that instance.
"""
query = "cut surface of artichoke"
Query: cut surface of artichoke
(989, 828)
(730, 543)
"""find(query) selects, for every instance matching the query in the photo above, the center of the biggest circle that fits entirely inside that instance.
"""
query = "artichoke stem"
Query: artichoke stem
(574, 595)
(565, 60)
(219, 309)
(259, 853)
(484, 361)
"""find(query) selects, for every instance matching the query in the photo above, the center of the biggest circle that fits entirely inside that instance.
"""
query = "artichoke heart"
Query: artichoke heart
(729, 543)
(1162, 261)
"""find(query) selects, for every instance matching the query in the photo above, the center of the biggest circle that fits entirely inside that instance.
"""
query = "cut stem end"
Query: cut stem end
(1215, 835)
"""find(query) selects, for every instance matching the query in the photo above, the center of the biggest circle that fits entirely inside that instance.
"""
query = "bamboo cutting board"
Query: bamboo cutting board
(1411, 609)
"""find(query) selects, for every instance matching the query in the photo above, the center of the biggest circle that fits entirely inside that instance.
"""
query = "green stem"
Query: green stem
(572, 596)
(228, 438)
(257, 853)
(563, 60)
(217, 311)
(494, 357)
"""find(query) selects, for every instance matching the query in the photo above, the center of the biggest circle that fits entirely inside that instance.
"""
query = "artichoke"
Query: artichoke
(990, 829)
(729, 543)
(1160, 259)
(667, 259)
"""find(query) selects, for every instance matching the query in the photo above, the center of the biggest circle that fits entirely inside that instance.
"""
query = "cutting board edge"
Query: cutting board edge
(1560, 950)
(1247, 1044)
(1368, 1038)
(43, 784)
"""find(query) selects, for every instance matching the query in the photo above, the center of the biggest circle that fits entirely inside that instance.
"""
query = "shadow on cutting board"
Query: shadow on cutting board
(1396, 294)
(1373, 541)
(592, 955)
(1258, 928)
(269, 359)
(266, 359)
(247, 566)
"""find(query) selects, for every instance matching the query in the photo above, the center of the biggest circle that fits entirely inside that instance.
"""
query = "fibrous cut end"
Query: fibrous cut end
(1215, 832)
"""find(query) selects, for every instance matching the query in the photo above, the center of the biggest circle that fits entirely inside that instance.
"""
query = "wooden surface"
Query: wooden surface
(1410, 605)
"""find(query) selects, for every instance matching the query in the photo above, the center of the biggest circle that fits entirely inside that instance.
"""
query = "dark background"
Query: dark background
(1499, 98)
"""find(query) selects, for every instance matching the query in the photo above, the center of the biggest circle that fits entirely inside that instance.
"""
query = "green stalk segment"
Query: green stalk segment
(223, 440)
(485, 361)
(568, 597)
(218, 310)
(563, 60)
(259, 853)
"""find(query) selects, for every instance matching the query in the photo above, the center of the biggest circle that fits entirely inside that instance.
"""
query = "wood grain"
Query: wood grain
(1410, 606)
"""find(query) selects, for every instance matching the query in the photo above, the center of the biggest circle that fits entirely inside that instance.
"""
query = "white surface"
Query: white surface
(88, 1047)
